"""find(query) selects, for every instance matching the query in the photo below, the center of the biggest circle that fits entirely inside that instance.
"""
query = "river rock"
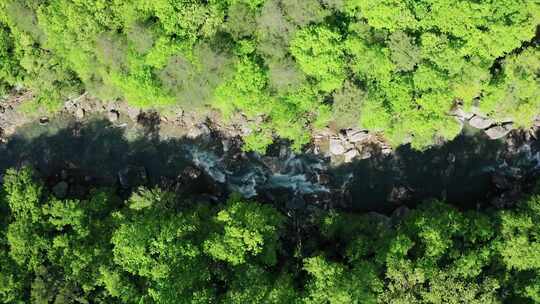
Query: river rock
(350, 155)
(79, 113)
(44, 120)
(460, 114)
(365, 155)
(398, 194)
(358, 136)
(198, 130)
(191, 173)
(386, 150)
(60, 189)
(336, 146)
(479, 122)
(133, 113)
(497, 132)
(113, 116)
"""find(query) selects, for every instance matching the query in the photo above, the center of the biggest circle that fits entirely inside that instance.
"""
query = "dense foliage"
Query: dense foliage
(156, 247)
(397, 66)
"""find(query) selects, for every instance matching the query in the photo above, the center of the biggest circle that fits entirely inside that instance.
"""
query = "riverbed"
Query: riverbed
(469, 171)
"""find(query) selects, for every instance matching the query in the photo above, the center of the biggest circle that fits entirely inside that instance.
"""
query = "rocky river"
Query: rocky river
(75, 154)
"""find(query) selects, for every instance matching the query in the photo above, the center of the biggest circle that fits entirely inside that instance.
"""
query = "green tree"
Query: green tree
(247, 230)
(319, 52)
(163, 248)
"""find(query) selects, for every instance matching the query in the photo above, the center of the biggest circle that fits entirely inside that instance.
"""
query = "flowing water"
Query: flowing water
(464, 171)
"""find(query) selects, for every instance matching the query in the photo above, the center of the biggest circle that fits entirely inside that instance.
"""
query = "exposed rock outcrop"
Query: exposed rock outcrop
(498, 131)
(480, 122)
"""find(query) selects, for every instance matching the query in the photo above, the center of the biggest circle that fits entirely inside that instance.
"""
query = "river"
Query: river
(467, 171)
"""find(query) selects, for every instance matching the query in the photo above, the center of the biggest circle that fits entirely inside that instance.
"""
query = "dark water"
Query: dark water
(463, 171)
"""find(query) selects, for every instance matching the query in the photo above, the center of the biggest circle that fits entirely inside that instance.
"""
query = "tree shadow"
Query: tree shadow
(97, 153)
(468, 172)
(463, 172)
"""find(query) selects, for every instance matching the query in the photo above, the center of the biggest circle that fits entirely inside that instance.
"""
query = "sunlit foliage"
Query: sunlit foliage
(158, 247)
(415, 60)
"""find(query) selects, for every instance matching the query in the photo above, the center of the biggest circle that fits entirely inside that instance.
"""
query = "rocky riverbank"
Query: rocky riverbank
(342, 146)
(94, 142)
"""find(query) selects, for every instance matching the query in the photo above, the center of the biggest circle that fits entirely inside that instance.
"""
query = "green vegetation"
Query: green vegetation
(157, 247)
(396, 66)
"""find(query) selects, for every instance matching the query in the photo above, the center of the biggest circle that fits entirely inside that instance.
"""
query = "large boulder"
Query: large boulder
(336, 146)
(44, 120)
(460, 114)
(113, 115)
(480, 122)
(79, 113)
(498, 132)
(357, 136)
(350, 155)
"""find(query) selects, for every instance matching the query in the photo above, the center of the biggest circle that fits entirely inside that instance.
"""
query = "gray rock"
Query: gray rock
(479, 122)
(460, 123)
(386, 151)
(180, 113)
(198, 130)
(69, 105)
(365, 155)
(44, 120)
(60, 189)
(358, 136)
(336, 146)
(133, 113)
(350, 155)
(460, 114)
(79, 113)
(537, 122)
(468, 115)
(498, 132)
(113, 115)
(191, 173)
(398, 194)
(476, 111)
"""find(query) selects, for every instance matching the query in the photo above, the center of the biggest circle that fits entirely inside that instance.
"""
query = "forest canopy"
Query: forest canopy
(395, 66)
(159, 247)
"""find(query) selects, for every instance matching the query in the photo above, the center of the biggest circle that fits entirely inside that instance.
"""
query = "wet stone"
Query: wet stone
(359, 137)
(336, 146)
(44, 120)
(497, 132)
(79, 113)
(113, 116)
(350, 155)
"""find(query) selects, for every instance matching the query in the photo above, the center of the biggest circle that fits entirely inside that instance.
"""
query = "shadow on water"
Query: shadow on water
(463, 171)
(466, 172)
